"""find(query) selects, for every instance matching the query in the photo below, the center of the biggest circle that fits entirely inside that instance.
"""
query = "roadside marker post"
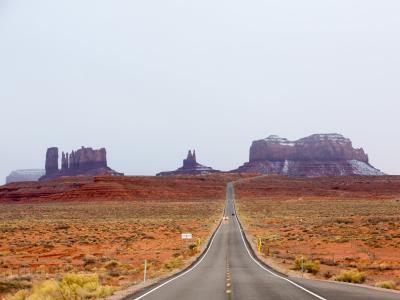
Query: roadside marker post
(145, 271)
(259, 244)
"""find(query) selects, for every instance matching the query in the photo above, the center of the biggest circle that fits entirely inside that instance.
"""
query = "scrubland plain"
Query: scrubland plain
(344, 229)
(88, 237)
(109, 228)
(110, 239)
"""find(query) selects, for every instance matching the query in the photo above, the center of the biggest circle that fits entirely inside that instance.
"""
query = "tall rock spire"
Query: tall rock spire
(51, 164)
(190, 167)
(64, 164)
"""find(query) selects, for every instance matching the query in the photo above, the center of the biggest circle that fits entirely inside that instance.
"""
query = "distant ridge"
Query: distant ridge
(25, 175)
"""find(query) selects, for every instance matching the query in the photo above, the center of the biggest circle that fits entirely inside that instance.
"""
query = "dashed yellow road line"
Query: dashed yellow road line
(228, 289)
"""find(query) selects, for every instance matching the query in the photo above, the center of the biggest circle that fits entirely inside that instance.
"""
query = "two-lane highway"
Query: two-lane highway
(229, 271)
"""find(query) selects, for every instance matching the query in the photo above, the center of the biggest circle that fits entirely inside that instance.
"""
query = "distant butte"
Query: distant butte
(190, 167)
(316, 155)
(82, 162)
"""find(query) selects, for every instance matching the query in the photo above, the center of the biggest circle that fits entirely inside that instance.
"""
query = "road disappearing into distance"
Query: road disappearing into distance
(229, 270)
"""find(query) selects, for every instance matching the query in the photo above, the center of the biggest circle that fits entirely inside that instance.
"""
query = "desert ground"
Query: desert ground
(110, 239)
(109, 227)
(333, 225)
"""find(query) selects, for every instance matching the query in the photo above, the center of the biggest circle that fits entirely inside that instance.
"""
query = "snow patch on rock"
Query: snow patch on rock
(362, 168)
(275, 139)
(285, 168)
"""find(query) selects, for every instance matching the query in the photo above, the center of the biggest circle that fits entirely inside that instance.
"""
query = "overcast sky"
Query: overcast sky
(150, 79)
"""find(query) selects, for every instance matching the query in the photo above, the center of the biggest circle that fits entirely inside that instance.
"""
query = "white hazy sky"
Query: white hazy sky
(150, 79)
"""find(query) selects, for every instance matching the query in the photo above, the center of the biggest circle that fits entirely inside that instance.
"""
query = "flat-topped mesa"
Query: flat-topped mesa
(321, 147)
(82, 162)
(316, 155)
(25, 175)
(190, 167)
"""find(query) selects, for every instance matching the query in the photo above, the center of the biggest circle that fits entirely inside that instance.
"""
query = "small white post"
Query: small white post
(145, 271)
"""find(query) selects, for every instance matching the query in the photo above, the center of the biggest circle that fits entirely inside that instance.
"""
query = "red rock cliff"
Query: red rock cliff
(321, 147)
(316, 155)
(85, 161)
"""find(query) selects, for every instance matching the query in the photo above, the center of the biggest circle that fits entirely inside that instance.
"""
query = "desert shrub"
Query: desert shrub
(328, 262)
(312, 266)
(83, 286)
(193, 249)
(47, 290)
(89, 260)
(353, 276)
(72, 286)
(386, 285)
(173, 263)
(104, 259)
(62, 227)
(384, 267)
(344, 221)
(12, 285)
(309, 266)
(114, 273)
(20, 295)
(111, 264)
(298, 261)
(341, 239)
(328, 274)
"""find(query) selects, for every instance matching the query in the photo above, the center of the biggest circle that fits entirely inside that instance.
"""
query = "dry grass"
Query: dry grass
(72, 286)
(339, 233)
(111, 239)
(353, 276)
(390, 285)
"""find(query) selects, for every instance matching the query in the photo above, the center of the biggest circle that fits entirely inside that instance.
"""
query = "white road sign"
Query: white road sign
(186, 236)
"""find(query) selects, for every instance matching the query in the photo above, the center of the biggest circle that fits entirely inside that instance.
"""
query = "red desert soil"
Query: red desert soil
(128, 188)
(104, 225)
(342, 222)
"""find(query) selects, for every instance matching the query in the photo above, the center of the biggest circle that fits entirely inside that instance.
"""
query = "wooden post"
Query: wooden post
(145, 271)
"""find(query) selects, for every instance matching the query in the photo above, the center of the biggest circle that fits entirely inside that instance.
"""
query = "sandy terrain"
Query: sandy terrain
(112, 239)
(104, 225)
(344, 223)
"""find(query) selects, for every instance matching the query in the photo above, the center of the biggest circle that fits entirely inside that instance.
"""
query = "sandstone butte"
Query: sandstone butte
(82, 162)
(316, 155)
(190, 167)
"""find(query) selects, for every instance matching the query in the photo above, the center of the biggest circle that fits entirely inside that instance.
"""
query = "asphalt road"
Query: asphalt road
(229, 271)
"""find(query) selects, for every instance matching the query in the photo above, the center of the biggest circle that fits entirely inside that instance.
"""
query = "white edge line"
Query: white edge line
(184, 273)
(269, 271)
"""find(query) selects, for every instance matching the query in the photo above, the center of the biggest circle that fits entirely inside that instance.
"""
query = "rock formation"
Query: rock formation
(316, 155)
(51, 161)
(25, 175)
(190, 167)
(83, 162)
